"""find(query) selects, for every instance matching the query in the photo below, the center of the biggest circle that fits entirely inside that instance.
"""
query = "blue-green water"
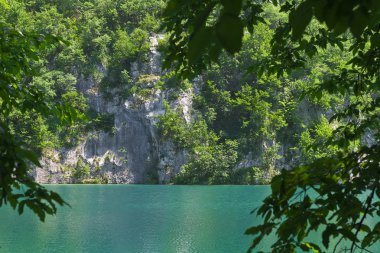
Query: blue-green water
(138, 218)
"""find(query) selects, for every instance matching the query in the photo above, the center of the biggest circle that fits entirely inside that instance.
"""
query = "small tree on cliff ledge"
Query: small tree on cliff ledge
(334, 195)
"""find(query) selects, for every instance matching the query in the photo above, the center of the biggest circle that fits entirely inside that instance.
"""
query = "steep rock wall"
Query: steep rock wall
(132, 152)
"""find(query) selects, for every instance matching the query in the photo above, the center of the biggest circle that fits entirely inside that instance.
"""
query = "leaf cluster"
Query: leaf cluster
(335, 194)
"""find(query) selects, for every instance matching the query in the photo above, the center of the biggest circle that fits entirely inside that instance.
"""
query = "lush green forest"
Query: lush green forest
(237, 116)
(275, 85)
(92, 34)
(336, 191)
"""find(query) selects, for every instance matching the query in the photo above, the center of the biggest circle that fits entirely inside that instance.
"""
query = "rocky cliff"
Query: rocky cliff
(132, 152)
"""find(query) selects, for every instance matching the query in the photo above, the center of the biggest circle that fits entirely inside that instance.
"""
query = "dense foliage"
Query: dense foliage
(48, 49)
(333, 192)
(18, 52)
(273, 120)
(233, 121)
(299, 91)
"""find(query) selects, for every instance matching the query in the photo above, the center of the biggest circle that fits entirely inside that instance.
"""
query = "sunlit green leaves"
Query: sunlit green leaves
(206, 33)
(350, 168)
(19, 52)
(339, 16)
(310, 246)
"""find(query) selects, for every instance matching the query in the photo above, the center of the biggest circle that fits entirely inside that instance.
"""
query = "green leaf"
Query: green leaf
(348, 234)
(232, 6)
(300, 18)
(199, 43)
(375, 40)
(310, 246)
(314, 247)
(54, 196)
(36, 209)
(326, 235)
(367, 240)
(377, 227)
(171, 8)
(21, 207)
(229, 31)
(358, 22)
(365, 228)
(341, 26)
(215, 51)
(29, 155)
(253, 230)
(276, 185)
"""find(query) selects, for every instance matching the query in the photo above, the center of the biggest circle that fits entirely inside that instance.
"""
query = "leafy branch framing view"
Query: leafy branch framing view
(325, 50)
(200, 30)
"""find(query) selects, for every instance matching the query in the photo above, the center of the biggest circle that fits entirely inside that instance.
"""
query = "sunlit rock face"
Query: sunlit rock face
(132, 151)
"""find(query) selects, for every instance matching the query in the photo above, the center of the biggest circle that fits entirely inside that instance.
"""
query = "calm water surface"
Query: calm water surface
(138, 218)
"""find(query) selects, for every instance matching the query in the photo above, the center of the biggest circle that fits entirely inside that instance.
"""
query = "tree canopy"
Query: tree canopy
(324, 50)
(17, 52)
(25, 107)
(46, 49)
(334, 194)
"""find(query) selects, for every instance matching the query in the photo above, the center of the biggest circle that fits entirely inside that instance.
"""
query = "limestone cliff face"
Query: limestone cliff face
(132, 152)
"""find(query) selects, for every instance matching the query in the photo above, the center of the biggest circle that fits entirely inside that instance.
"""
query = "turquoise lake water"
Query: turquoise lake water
(138, 219)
